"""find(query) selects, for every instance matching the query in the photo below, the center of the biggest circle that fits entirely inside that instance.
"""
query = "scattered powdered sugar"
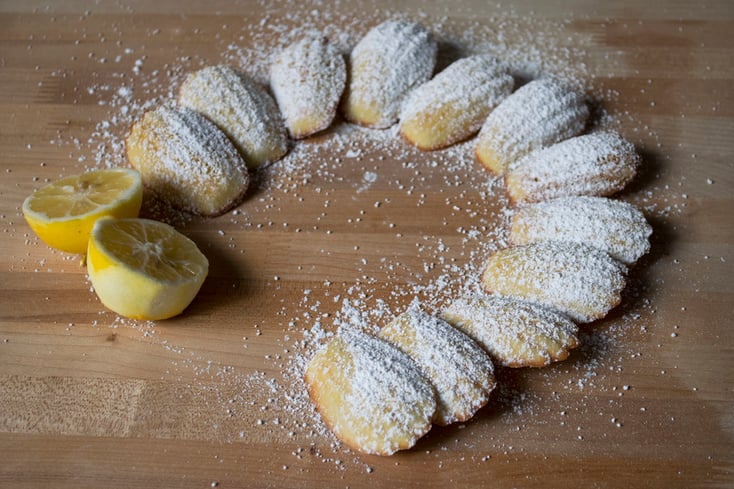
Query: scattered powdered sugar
(368, 179)
(273, 402)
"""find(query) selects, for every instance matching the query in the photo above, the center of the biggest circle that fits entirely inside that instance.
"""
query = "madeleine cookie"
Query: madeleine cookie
(371, 395)
(241, 108)
(458, 368)
(514, 332)
(580, 281)
(185, 160)
(308, 79)
(454, 104)
(392, 59)
(539, 114)
(613, 226)
(601, 163)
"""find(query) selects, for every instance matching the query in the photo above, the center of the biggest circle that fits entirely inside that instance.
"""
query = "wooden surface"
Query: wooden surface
(213, 398)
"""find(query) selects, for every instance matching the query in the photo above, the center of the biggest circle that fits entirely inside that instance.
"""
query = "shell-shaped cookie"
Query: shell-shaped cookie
(580, 281)
(514, 332)
(617, 227)
(308, 79)
(600, 163)
(392, 59)
(241, 108)
(460, 371)
(185, 160)
(453, 105)
(538, 114)
(372, 396)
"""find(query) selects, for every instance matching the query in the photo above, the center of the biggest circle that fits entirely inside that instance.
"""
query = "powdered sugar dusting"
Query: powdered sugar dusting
(516, 333)
(599, 163)
(539, 114)
(455, 103)
(187, 161)
(575, 279)
(458, 368)
(372, 394)
(307, 79)
(613, 226)
(241, 108)
(393, 58)
(270, 401)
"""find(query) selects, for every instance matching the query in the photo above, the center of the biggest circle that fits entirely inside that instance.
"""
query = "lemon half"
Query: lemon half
(62, 213)
(144, 269)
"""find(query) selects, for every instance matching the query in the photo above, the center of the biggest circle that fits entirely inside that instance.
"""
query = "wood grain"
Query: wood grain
(214, 398)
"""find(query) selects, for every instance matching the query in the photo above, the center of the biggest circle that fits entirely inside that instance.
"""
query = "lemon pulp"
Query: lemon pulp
(144, 269)
(62, 213)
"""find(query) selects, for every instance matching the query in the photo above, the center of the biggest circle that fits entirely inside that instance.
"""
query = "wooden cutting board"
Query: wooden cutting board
(351, 227)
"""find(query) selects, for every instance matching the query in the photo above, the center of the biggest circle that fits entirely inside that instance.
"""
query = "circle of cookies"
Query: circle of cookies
(571, 245)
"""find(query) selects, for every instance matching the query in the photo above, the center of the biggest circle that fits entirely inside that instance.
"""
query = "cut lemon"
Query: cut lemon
(144, 269)
(62, 213)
